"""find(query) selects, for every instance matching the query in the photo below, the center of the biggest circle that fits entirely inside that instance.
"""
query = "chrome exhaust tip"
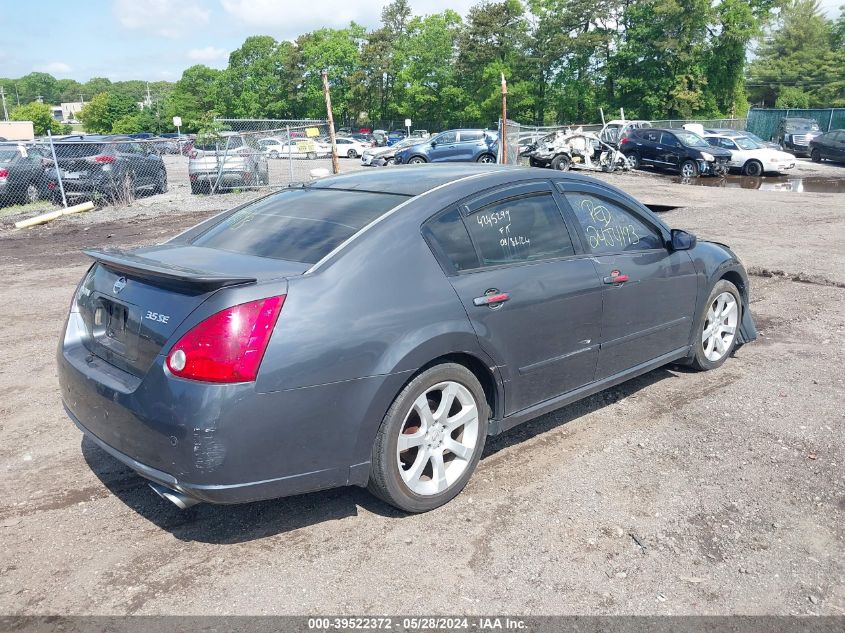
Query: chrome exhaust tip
(180, 500)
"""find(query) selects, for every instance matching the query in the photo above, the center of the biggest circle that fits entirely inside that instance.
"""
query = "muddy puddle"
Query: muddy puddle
(797, 184)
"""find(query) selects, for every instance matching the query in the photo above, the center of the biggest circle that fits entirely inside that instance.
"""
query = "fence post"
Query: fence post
(335, 164)
(504, 136)
(58, 169)
(220, 165)
(290, 155)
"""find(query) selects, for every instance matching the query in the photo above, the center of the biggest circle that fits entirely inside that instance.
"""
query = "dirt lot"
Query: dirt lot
(678, 492)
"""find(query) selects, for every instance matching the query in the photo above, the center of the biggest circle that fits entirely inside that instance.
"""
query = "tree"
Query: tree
(100, 113)
(430, 90)
(195, 95)
(494, 42)
(799, 54)
(40, 115)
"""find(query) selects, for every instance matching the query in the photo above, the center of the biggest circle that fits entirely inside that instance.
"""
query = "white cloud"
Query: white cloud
(169, 18)
(208, 54)
(54, 68)
(288, 19)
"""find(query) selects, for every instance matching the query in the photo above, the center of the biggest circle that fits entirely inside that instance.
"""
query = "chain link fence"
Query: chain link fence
(236, 156)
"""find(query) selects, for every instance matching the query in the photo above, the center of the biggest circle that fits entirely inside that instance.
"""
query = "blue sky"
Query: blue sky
(157, 39)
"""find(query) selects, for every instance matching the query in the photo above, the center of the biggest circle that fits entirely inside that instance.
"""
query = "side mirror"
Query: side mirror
(434, 143)
(682, 241)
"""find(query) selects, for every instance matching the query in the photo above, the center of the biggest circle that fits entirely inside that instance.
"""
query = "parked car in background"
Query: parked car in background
(116, 167)
(452, 146)
(828, 146)
(794, 134)
(395, 136)
(165, 146)
(350, 147)
(272, 146)
(423, 134)
(373, 329)
(365, 138)
(678, 150)
(22, 174)
(382, 156)
(751, 158)
(228, 160)
(742, 133)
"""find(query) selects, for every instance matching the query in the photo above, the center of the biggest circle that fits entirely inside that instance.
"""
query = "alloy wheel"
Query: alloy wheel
(688, 169)
(438, 438)
(720, 325)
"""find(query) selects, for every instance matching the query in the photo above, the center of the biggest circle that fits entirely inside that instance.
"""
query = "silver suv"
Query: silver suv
(228, 160)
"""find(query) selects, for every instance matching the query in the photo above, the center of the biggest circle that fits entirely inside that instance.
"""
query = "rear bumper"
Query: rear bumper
(220, 443)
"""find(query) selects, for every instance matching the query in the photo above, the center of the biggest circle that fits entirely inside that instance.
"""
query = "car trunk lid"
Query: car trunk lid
(131, 303)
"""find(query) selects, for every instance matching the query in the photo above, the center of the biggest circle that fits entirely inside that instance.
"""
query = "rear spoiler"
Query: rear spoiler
(148, 268)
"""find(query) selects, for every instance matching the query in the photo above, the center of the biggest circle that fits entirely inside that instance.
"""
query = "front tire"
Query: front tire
(634, 160)
(352, 154)
(416, 160)
(816, 156)
(487, 159)
(430, 440)
(753, 168)
(716, 331)
(689, 169)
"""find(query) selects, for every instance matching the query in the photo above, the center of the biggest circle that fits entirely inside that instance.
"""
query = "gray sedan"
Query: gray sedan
(373, 329)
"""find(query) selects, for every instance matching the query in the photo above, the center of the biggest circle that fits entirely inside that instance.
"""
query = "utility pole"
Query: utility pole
(335, 164)
(5, 111)
(504, 120)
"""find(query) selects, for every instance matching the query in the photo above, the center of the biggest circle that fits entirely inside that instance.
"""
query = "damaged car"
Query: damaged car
(676, 150)
(564, 149)
(749, 157)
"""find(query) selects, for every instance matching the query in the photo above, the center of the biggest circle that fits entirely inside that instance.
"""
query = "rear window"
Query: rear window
(80, 150)
(7, 155)
(299, 225)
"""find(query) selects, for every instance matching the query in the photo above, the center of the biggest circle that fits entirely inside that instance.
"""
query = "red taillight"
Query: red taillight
(623, 140)
(103, 158)
(4, 173)
(227, 346)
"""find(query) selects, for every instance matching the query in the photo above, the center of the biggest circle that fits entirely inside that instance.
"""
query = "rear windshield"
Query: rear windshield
(79, 150)
(299, 225)
(7, 155)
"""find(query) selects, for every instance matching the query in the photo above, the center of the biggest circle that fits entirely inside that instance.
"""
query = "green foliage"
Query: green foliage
(563, 60)
(40, 115)
(792, 97)
(101, 113)
(801, 61)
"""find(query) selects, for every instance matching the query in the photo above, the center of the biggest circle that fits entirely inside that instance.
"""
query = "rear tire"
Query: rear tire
(561, 162)
(717, 327)
(634, 160)
(30, 194)
(417, 160)
(426, 473)
(352, 154)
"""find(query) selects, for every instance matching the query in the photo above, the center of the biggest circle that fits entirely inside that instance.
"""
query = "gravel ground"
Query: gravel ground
(675, 493)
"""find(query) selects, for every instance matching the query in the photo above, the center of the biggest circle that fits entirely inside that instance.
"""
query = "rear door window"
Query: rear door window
(299, 225)
(466, 137)
(524, 229)
(610, 228)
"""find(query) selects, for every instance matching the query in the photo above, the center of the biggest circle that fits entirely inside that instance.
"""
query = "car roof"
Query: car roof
(397, 179)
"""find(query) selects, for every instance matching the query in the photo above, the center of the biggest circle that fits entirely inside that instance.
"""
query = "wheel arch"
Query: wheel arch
(483, 369)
